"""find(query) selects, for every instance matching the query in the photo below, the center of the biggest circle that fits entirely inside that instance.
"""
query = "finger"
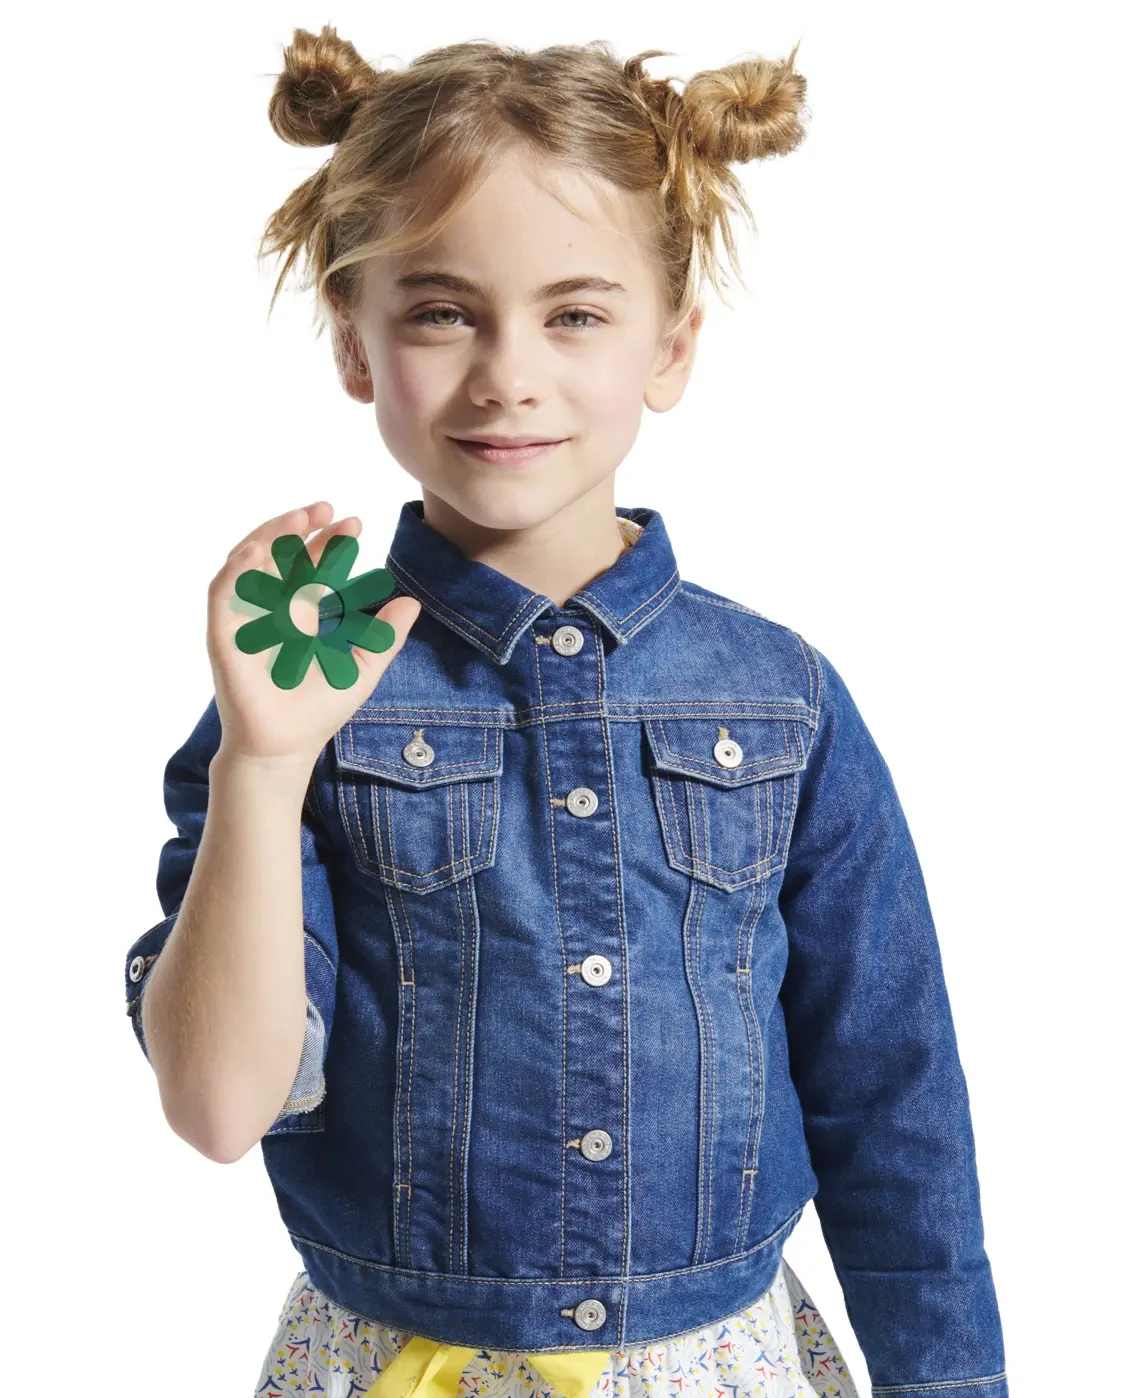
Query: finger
(351, 525)
(254, 552)
(301, 522)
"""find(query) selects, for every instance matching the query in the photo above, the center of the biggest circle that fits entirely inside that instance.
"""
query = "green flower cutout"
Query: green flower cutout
(332, 648)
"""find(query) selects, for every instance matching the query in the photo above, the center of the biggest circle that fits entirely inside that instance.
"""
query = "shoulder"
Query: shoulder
(792, 678)
(790, 664)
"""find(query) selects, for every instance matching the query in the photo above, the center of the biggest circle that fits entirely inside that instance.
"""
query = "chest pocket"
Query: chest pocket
(419, 803)
(726, 819)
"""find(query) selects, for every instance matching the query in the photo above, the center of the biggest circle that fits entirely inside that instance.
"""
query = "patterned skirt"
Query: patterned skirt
(779, 1347)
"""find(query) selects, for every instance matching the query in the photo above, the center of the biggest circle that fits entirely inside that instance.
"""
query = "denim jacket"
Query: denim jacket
(617, 953)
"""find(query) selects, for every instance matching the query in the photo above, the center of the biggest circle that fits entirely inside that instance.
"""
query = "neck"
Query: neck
(555, 557)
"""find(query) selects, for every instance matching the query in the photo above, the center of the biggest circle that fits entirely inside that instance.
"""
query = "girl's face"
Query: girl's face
(441, 361)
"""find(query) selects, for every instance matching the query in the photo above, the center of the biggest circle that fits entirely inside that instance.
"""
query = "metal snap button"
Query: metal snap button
(135, 970)
(728, 752)
(596, 970)
(581, 801)
(589, 1315)
(417, 752)
(596, 1145)
(567, 640)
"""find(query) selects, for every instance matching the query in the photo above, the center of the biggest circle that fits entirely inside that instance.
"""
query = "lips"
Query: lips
(510, 443)
(505, 456)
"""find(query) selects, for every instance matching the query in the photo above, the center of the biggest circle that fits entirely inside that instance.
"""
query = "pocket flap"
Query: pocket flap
(461, 751)
(772, 746)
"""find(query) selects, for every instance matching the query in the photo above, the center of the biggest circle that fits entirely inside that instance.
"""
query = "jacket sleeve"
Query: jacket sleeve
(876, 1066)
(185, 789)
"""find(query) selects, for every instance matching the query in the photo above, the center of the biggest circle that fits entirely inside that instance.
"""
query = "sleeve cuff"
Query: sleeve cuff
(991, 1386)
(309, 1086)
(141, 957)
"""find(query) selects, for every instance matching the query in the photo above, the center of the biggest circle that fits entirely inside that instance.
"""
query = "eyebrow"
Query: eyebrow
(462, 286)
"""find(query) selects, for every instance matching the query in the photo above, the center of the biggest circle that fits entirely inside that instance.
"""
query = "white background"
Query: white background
(916, 439)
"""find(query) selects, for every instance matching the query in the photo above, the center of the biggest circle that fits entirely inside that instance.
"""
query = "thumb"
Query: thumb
(400, 613)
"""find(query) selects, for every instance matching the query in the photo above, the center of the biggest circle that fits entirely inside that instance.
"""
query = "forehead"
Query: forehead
(523, 235)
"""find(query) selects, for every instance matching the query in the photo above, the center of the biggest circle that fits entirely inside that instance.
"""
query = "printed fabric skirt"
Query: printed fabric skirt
(779, 1347)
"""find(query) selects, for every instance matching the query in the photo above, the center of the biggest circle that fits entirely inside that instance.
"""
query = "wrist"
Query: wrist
(289, 771)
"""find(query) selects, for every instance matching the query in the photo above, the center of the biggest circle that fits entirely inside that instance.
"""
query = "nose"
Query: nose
(506, 372)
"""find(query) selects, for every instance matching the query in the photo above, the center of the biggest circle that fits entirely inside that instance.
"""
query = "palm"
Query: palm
(280, 715)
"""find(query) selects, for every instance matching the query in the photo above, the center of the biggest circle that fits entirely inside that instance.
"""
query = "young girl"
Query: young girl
(615, 950)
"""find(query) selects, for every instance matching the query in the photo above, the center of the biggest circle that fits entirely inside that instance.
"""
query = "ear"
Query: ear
(350, 356)
(674, 364)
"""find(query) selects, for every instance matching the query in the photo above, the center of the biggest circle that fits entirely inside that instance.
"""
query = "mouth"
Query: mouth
(507, 455)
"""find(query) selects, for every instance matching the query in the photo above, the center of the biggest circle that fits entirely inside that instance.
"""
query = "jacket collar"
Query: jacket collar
(491, 610)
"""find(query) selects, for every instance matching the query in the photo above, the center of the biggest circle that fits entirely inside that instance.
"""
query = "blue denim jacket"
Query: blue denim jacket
(617, 953)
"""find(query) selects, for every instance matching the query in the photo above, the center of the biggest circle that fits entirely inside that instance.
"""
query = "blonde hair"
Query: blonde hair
(412, 143)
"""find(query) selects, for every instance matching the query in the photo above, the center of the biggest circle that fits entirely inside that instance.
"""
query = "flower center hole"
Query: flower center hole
(315, 609)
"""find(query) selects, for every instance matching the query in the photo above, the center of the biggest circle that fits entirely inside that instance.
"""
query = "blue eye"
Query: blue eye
(420, 317)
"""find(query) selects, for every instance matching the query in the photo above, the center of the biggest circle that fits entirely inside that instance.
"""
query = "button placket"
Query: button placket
(568, 687)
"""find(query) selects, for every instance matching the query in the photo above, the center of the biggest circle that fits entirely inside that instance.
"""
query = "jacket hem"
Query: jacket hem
(473, 1310)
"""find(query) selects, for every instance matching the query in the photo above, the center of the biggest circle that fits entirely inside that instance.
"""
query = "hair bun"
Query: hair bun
(746, 111)
(323, 80)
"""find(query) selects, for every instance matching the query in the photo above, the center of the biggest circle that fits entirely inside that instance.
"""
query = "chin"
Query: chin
(505, 503)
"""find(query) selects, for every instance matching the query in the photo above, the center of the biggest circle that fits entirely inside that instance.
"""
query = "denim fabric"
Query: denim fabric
(606, 987)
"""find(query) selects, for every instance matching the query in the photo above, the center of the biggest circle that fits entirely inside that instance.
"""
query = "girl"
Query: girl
(615, 948)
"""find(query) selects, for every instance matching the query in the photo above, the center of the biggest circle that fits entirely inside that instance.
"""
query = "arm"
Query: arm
(876, 1066)
(234, 1015)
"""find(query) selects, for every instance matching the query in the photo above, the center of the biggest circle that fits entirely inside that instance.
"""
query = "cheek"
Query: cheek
(407, 385)
(408, 371)
(611, 385)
